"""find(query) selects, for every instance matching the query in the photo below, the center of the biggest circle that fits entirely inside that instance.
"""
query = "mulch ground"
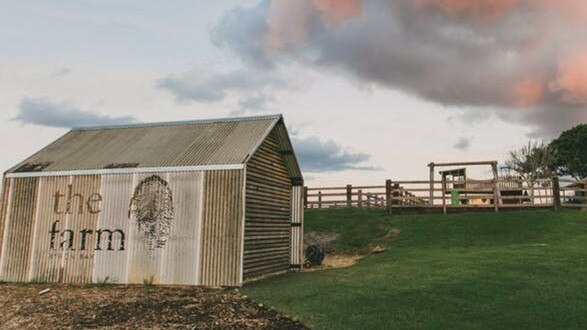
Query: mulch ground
(133, 307)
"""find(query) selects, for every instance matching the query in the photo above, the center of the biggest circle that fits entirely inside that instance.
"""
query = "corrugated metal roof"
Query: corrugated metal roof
(173, 144)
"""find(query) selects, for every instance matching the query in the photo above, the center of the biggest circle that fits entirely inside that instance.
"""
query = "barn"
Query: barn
(212, 202)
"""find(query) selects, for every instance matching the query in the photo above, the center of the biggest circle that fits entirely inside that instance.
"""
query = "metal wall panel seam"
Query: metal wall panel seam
(244, 212)
(61, 270)
(164, 252)
(6, 225)
(198, 253)
(101, 192)
(128, 170)
(129, 248)
(35, 224)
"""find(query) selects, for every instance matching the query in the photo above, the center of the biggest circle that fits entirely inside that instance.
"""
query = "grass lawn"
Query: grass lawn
(511, 270)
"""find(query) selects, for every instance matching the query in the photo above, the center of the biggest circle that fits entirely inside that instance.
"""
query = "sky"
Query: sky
(370, 89)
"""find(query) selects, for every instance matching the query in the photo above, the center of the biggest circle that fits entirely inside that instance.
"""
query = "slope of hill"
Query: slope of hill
(468, 271)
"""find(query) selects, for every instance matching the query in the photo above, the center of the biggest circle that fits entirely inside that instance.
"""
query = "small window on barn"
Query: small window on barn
(33, 167)
(121, 165)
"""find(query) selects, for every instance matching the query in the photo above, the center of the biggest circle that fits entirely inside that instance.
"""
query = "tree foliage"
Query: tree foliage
(533, 161)
(571, 152)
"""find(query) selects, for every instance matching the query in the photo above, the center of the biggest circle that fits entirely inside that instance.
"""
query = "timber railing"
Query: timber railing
(505, 192)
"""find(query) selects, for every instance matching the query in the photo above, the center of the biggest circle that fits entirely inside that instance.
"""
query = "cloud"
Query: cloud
(527, 56)
(209, 86)
(44, 112)
(316, 155)
(61, 72)
(462, 144)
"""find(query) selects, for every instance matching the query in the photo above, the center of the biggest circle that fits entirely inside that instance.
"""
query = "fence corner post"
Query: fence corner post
(556, 193)
(305, 197)
(349, 196)
(388, 195)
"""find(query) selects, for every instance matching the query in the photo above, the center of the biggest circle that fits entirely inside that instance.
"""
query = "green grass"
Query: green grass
(512, 270)
(357, 228)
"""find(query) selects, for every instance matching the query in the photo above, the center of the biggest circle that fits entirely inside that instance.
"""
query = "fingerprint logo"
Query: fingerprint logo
(151, 208)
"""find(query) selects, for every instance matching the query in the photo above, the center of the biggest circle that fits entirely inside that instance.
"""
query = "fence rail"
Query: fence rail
(453, 194)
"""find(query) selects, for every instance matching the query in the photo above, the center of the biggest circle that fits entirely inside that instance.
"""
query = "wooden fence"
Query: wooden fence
(505, 192)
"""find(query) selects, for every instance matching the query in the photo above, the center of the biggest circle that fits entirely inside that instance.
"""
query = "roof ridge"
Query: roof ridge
(179, 123)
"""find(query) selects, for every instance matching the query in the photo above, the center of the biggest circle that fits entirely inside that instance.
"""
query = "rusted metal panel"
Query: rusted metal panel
(222, 228)
(297, 228)
(18, 230)
(179, 144)
(268, 212)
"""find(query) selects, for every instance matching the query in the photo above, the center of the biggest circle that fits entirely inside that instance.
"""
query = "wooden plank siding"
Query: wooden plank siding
(267, 212)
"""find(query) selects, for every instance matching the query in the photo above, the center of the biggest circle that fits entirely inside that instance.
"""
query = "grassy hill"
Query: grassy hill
(467, 271)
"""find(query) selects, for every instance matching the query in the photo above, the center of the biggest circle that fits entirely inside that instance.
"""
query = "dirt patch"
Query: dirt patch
(332, 261)
(133, 307)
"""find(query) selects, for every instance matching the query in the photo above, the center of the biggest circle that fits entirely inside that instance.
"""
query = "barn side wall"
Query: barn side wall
(222, 228)
(92, 228)
(267, 212)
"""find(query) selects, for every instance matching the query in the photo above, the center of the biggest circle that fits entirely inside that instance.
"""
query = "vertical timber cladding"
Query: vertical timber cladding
(222, 230)
(268, 211)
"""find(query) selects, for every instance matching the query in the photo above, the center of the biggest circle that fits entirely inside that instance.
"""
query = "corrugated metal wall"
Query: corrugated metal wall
(222, 232)
(171, 228)
(267, 212)
(297, 228)
(18, 232)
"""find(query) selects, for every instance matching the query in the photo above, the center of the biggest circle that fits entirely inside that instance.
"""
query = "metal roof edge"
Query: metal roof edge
(132, 170)
(179, 123)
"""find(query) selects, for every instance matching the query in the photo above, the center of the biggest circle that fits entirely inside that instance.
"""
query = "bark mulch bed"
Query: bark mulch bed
(133, 307)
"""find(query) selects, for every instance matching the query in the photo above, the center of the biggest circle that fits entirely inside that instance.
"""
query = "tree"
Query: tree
(571, 152)
(533, 161)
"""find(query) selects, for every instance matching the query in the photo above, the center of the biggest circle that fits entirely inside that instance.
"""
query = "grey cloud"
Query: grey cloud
(450, 59)
(208, 86)
(44, 112)
(548, 120)
(462, 144)
(316, 155)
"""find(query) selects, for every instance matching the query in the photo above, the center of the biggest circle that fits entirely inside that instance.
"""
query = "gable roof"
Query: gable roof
(216, 142)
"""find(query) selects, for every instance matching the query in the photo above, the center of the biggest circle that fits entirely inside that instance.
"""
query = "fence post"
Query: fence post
(431, 165)
(349, 195)
(556, 193)
(319, 199)
(388, 195)
(444, 194)
(305, 197)
(496, 191)
(360, 199)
